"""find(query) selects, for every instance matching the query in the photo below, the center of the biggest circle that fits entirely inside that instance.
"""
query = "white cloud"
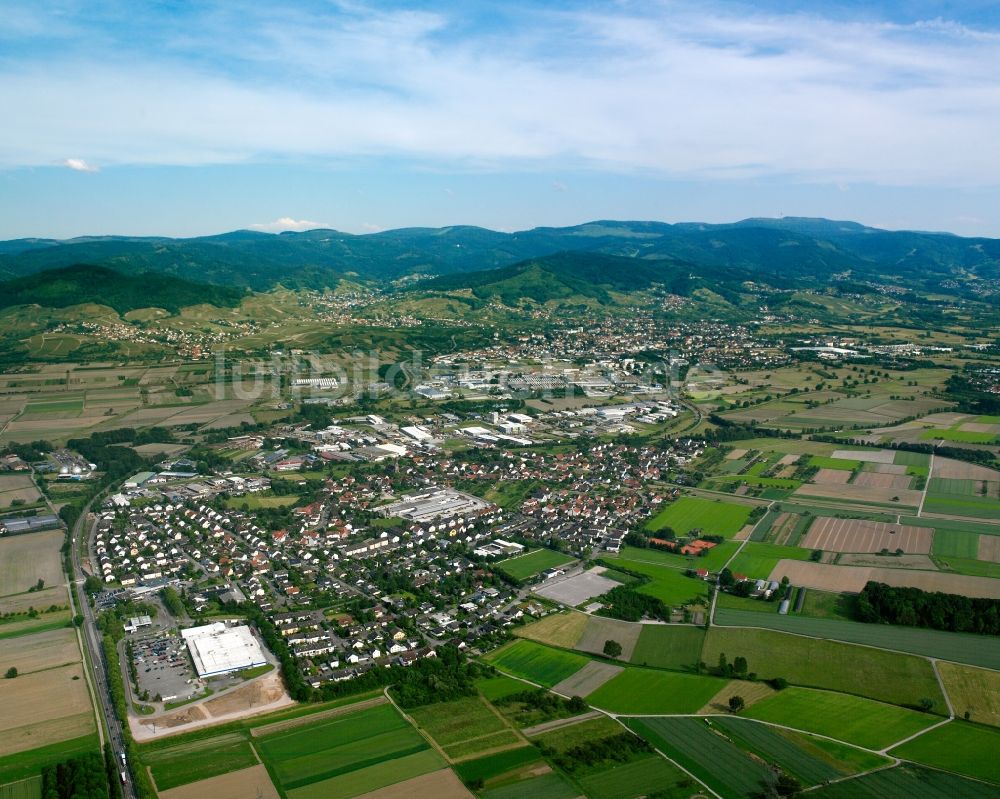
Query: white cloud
(682, 90)
(77, 165)
(287, 223)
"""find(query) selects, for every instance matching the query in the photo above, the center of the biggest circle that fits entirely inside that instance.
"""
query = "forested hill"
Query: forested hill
(72, 285)
(788, 251)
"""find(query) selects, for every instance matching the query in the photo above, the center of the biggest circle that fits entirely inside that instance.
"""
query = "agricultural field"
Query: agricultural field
(17, 490)
(550, 786)
(976, 650)
(524, 566)
(959, 747)
(40, 651)
(247, 782)
(29, 763)
(884, 676)
(668, 584)
(464, 726)
(185, 763)
(973, 691)
(346, 754)
(44, 707)
(873, 725)
(26, 559)
(758, 560)
(600, 629)
(30, 788)
(711, 517)
(557, 629)
(668, 646)
(637, 691)
(829, 577)
(636, 778)
(904, 782)
(537, 663)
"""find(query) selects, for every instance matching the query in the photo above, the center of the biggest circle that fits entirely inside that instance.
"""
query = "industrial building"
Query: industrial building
(218, 649)
(434, 503)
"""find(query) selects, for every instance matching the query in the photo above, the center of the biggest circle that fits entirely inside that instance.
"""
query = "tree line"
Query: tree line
(879, 603)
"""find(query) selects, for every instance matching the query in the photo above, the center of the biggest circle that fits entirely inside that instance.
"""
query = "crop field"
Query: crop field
(494, 765)
(811, 760)
(848, 718)
(957, 746)
(461, 721)
(371, 778)
(855, 494)
(44, 707)
(668, 584)
(600, 629)
(550, 786)
(956, 543)
(859, 535)
(637, 691)
(30, 762)
(903, 782)
(839, 464)
(758, 559)
(540, 664)
(525, 566)
(191, 762)
(40, 651)
(717, 762)
(498, 687)
(26, 559)
(885, 676)
(316, 756)
(557, 629)
(973, 691)
(30, 788)
(17, 488)
(247, 782)
(976, 650)
(635, 779)
(712, 517)
(668, 646)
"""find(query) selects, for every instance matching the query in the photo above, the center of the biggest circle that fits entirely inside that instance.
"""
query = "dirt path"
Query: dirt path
(548, 726)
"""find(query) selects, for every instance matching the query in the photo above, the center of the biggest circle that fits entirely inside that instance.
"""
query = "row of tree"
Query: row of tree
(879, 603)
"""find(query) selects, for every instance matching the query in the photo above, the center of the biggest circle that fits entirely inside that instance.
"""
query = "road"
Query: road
(92, 638)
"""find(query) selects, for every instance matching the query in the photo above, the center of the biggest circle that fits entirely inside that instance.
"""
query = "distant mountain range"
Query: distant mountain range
(782, 253)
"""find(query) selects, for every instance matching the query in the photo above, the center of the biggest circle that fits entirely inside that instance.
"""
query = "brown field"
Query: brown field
(43, 708)
(853, 493)
(40, 600)
(826, 577)
(40, 651)
(974, 690)
(865, 456)
(946, 467)
(443, 784)
(883, 562)
(736, 454)
(861, 535)
(831, 477)
(789, 459)
(600, 629)
(783, 527)
(989, 548)
(890, 468)
(558, 629)
(588, 679)
(247, 783)
(980, 427)
(263, 691)
(876, 480)
(24, 559)
(17, 487)
(750, 691)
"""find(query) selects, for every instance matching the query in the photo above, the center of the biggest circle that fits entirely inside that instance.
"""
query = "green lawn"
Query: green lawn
(191, 762)
(847, 718)
(758, 559)
(713, 517)
(886, 676)
(525, 566)
(668, 584)
(668, 646)
(637, 691)
(538, 663)
(958, 746)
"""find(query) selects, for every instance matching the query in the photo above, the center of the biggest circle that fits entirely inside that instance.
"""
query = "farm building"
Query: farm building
(218, 649)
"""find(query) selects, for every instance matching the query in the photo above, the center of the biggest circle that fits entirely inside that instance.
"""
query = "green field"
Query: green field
(903, 458)
(464, 726)
(525, 566)
(30, 788)
(636, 691)
(758, 559)
(636, 778)
(667, 584)
(975, 650)
(550, 786)
(823, 462)
(712, 517)
(538, 663)
(955, 543)
(809, 759)
(960, 747)
(885, 676)
(490, 766)
(975, 507)
(904, 782)
(963, 436)
(498, 687)
(23, 765)
(320, 751)
(713, 560)
(191, 762)
(720, 764)
(668, 646)
(370, 778)
(864, 722)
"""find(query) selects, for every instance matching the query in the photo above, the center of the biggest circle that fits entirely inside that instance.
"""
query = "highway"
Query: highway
(92, 638)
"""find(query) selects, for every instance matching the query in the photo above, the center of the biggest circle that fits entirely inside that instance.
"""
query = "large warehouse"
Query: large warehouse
(218, 649)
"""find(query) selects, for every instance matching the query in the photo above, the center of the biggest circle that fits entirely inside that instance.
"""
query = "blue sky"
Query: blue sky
(177, 118)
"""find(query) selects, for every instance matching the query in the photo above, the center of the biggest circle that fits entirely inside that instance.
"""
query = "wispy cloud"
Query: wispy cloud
(77, 165)
(691, 90)
(287, 223)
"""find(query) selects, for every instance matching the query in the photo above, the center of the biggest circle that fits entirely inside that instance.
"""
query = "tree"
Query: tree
(926, 704)
(736, 703)
(740, 666)
(11, 673)
(612, 648)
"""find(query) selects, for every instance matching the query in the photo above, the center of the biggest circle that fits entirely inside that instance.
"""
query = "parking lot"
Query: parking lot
(163, 667)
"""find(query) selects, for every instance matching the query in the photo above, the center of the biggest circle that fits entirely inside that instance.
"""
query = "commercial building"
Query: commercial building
(218, 649)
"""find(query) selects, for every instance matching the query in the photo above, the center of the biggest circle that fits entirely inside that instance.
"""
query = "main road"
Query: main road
(92, 637)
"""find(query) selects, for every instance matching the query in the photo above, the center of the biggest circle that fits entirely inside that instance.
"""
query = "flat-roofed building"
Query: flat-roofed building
(218, 649)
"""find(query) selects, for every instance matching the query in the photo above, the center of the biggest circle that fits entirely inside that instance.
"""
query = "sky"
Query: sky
(190, 118)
